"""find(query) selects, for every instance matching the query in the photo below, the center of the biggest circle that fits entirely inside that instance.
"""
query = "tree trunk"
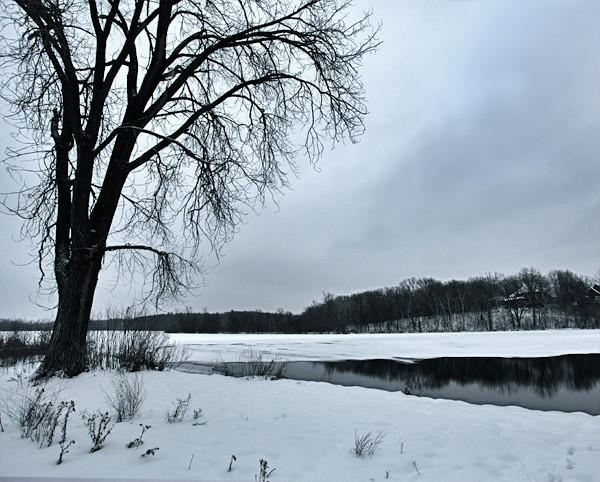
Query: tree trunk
(67, 354)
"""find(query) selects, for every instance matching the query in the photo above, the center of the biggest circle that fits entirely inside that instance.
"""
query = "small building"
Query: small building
(529, 299)
(593, 294)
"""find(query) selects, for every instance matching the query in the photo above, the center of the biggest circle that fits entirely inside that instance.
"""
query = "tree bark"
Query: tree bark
(67, 354)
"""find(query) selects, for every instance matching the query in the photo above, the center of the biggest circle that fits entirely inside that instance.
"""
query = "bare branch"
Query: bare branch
(169, 119)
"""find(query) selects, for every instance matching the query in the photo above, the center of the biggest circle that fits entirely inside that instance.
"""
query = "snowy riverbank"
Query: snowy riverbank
(306, 430)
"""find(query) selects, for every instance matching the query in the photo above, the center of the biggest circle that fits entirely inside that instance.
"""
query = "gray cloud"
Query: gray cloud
(481, 154)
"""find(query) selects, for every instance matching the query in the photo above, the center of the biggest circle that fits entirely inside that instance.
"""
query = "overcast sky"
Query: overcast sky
(482, 154)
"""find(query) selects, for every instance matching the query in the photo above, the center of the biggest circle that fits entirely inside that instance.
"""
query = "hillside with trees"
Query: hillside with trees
(528, 300)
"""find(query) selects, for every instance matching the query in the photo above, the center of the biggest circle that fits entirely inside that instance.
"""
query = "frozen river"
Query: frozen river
(210, 348)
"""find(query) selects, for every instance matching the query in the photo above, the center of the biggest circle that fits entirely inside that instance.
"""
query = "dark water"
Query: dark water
(567, 383)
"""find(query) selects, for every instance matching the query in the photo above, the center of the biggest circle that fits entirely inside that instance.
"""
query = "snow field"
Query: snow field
(306, 431)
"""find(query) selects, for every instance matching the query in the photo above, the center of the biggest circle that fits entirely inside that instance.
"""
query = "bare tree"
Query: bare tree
(156, 122)
(509, 287)
(535, 289)
(485, 291)
(568, 289)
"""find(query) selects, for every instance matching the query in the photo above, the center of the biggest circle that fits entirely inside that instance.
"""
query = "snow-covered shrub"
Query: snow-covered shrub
(133, 350)
(138, 441)
(264, 471)
(99, 428)
(233, 459)
(366, 445)
(127, 396)
(33, 409)
(181, 406)
(150, 452)
(253, 364)
(64, 446)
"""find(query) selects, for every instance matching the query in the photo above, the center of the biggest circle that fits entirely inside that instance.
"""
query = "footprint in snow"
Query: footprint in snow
(570, 450)
(570, 464)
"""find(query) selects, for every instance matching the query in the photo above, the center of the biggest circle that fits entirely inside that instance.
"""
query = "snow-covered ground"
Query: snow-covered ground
(306, 430)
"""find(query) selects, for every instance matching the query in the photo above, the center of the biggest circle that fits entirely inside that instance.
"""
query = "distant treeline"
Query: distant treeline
(24, 325)
(527, 300)
(524, 301)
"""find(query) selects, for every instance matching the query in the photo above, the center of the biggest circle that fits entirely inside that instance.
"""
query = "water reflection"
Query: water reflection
(566, 383)
(544, 375)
